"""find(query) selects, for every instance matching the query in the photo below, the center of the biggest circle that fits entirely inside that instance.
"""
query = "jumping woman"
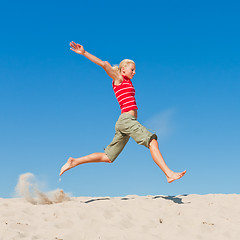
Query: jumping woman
(127, 125)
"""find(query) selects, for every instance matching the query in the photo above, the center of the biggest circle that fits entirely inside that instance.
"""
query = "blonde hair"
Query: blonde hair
(123, 63)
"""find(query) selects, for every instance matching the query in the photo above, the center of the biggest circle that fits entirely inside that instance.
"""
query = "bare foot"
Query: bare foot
(68, 165)
(175, 176)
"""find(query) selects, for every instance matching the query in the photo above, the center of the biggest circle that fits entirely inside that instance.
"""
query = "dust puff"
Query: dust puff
(29, 190)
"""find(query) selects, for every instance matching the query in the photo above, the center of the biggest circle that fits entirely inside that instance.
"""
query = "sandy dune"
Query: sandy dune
(213, 216)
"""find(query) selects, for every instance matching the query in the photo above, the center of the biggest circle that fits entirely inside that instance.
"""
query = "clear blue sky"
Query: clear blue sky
(56, 103)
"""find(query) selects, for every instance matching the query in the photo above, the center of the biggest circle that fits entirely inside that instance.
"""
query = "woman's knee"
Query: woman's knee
(105, 158)
(153, 144)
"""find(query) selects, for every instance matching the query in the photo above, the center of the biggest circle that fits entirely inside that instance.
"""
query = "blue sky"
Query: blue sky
(56, 104)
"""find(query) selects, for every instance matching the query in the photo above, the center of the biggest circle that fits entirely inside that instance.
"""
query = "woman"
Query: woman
(127, 125)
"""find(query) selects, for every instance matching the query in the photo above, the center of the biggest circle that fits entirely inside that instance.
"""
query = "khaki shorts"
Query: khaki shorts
(127, 126)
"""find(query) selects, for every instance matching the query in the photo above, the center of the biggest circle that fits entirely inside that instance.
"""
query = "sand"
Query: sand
(212, 216)
(56, 215)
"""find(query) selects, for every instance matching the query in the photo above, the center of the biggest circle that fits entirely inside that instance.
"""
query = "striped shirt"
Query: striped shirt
(125, 94)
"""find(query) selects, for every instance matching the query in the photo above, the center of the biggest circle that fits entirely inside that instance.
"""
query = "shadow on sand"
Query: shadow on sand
(97, 199)
(175, 199)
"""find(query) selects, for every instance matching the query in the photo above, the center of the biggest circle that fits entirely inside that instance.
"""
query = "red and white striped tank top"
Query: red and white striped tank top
(125, 94)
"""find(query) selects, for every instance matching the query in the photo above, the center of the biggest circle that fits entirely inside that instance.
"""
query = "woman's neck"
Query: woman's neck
(125, 77)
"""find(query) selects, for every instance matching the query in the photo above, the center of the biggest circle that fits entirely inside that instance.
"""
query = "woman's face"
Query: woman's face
(129, 71)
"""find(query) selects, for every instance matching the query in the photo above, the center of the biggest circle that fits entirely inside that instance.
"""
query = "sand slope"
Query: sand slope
(213, 216)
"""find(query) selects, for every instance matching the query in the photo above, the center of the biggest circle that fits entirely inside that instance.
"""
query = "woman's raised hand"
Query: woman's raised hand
(77, 48)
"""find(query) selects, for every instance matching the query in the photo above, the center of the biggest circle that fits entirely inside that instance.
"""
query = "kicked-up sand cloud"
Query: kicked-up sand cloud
(28, 189)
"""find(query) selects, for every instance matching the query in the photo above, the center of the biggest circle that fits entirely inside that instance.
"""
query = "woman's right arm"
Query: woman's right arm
(104, 64)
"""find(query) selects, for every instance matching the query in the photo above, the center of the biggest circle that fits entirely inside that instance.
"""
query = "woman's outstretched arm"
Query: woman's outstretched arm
(77, 48)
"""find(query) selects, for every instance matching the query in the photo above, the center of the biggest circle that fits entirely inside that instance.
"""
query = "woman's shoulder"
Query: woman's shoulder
(118, 80)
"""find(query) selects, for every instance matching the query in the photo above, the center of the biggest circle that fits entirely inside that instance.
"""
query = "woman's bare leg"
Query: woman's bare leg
(94, 157)
(158, 159)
